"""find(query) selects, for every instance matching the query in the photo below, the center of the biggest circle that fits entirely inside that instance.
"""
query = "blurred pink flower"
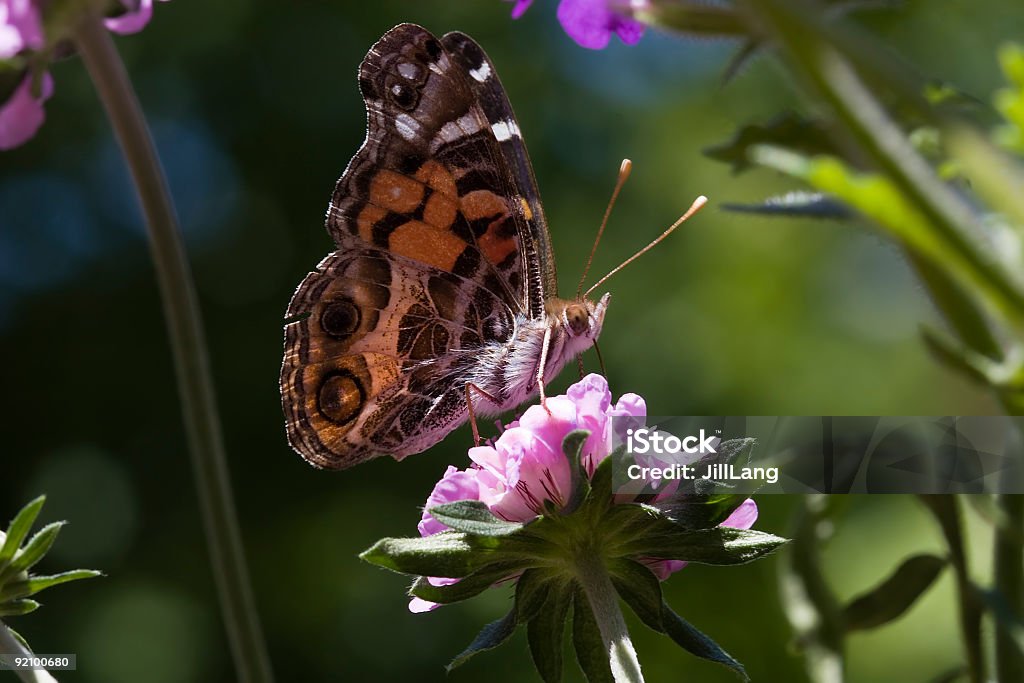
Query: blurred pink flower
(22, 114)
(591, 23)
(136, 16)
(20, 27)
(526, 467)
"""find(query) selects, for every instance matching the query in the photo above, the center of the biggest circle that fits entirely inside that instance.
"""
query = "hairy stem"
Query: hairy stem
(10, 645)
(181, 311)
(604, 601)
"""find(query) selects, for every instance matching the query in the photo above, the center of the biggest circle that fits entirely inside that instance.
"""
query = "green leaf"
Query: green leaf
(815, 205)
(788, 130)
(640, 589)
(894, 596)
(490, 637)
(545, 631)
(533, 589)
(697, 643)
(700, 512)
(1010, 101)
(718, 546)
(599, 499)
(467, 587)
(19, 529)
(572, 446)
(18, 608)
(34, 550)
(21, 589)
(472, 517)
(448, 554)
(591, 654)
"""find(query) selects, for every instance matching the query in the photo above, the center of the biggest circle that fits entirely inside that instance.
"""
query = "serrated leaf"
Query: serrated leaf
(788, 130)
(545, 631)
(468, 586)
(815, 205)
(19, 528)
(491, 636)
(640, 589)
(448, 554)
(587, 642)
(472, 517)
(34, 550)
(894, 596)
(697, 643)
(17, 608)
(21, 589)
(718, 546)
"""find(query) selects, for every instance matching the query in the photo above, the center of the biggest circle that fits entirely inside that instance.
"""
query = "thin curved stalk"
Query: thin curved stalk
(185, 331)
(10, 645)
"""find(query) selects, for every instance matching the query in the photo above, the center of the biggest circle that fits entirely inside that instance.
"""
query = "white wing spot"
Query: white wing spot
(408, 70)
(503, 130)
(406, 126)
(481, 73)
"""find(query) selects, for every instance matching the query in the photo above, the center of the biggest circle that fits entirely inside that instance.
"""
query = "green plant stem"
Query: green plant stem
(604, 600)
(195, 386)
(809, 603)
(946, 509)
(9, 645)
(1009, 579)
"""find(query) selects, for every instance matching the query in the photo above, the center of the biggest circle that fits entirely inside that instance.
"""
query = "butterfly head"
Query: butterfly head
(581, 319)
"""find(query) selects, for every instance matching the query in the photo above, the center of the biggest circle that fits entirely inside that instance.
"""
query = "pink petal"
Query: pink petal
(20, 27)
(455, 485)
(22, 114)
(591, 23)
(742, 517)
(133, 20)
(520, 8)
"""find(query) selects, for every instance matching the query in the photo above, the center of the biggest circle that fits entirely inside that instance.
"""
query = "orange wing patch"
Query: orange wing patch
(438, 178)
(396, 192)
(438, 247)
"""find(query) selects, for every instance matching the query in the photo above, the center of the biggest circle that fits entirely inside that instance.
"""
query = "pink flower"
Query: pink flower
(20, 27)
(136, 16)
(526, 468)
(22, 114)
(591, 23)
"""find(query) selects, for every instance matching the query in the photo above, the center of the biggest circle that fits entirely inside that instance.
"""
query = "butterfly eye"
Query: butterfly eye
(403, 95)
(433, 49)
(340, 319)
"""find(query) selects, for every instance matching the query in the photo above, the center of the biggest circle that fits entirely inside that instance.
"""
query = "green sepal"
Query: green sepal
(895, 595)
(31, 586)
(587, 641)
(572, 446)
(696, 642)
(19, 528)
(450, 554)
(718, 546)
(468, 586)
(533, 588)
(490, 636)
(17, 608)
(472, 517)
(545, 631)
(700, 512)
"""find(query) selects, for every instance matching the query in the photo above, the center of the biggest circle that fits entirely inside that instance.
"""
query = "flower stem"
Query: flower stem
(181, 311)
(1009, 568)
(604, 601)
(9, 645)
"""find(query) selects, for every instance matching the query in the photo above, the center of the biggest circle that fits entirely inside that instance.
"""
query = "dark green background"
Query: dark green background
(256, 111)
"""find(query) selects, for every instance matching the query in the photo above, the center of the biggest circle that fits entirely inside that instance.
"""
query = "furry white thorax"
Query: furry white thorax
(519, 358)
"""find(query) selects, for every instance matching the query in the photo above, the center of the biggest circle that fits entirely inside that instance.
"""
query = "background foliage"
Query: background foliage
(256, 111)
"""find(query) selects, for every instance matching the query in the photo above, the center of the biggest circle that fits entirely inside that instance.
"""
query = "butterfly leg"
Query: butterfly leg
(540, 369)
(472, 415)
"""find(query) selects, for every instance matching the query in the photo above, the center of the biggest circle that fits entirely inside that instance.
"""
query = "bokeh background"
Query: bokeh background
(255, 109)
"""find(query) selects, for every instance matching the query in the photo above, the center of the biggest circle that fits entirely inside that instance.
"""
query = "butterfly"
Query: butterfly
(439, 302)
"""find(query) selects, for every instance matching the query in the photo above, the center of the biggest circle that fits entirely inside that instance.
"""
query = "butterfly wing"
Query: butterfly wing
(439, 233)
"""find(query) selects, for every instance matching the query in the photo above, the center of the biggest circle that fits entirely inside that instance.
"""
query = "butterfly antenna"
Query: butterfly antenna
(624, 171)
(600, 358)
(694, 208)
